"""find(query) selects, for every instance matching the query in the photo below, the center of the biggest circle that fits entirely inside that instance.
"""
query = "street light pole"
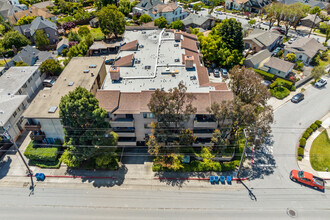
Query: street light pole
(244, 151)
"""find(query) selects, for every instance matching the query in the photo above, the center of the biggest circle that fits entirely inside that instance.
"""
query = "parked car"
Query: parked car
(307, 179)
(320, 83)
(224, 73)
(291, 40)
(49, 82)
(279, 30)
(277, 49)
(297, 98)
(216, 73)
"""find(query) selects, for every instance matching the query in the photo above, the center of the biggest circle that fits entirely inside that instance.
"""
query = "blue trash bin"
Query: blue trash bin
(216, 179)
(40, 176)
(222, 179)
(212, 179)
(229, 179)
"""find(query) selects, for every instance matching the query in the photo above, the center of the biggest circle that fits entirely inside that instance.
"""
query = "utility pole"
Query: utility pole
(6, 133)
(244, 151)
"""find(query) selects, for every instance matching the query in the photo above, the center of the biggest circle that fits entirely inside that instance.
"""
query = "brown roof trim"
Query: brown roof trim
(130, 45)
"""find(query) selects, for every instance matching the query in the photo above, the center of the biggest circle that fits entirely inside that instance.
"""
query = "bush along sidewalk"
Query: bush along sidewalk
(43, 156)
(308, 132)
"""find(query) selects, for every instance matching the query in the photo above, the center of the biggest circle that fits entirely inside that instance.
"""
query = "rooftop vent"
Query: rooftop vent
(52, 109)
(2, 112)
(86, 71)
(137, 61)
(143, 32)
(147, 67)
(92, 66)
(141, 46)
(70, 83)
(176, 45)
(177, 60)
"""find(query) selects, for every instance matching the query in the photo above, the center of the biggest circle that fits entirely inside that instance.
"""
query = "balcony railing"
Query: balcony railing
(122, 122)
(127, 141)
(33, 127)
(37, 136)
(203, 133)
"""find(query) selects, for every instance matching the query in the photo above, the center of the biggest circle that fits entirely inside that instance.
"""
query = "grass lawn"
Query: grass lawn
(320, 152)
(66, 19)
(2, 62)
(97, 34)
(325, 62)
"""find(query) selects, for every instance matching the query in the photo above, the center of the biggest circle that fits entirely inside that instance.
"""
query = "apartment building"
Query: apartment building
(157, 59)
(18, 86)
(43, 113)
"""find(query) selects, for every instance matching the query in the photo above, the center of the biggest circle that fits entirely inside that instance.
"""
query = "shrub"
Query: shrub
(299, 65)
(228, 166)
(287, 84)
(302, 142)
(265, 75)
(33, 152)
(280, 92)
(314, 126)
(291, 57)
(318, 123)
(309, 130)
(45, 164)
(306, 135)
(301, 151)
(293, 88)
(300, 158)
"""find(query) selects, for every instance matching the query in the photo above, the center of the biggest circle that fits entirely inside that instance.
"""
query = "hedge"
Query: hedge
(302, 142)
(287, 84)
(314, 126)
(279, 92)
(306, 135)
(299, 158)
(318, 123)
(265, 75)
(301, 151)
(309, 130)
(33, 152)
(45, 164)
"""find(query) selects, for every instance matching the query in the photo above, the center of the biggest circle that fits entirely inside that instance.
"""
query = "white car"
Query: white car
(320, 83)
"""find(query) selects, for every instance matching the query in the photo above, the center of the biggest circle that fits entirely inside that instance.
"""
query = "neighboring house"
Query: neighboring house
(145, 6)
(44, 5)
(64, 43)
(278, 67)
(311, 21)
(21, 80)
(171, 12)
(7, 8)
(99, 48)
(33, 11)
(31, 56)
(305, 49)
(257, 60)
(198, 21)
(39, 23)
(259, 39)
(94, 23)
(43, 113)
(11, 109)
(237, 4)
(311, 3)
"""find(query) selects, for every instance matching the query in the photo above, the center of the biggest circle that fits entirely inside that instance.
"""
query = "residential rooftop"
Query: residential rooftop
(308, 46)
(263, 38)
(279, 64)
(14, 79)
(81, 71)
(155, 60)
(8, 105)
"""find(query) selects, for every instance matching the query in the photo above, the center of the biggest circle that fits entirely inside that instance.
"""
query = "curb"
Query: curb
(82, 177)
(165, 178)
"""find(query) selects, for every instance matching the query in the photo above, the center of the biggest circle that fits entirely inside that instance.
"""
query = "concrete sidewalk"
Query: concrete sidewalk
(304, 164)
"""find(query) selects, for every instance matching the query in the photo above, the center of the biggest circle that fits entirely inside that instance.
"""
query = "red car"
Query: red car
(307, 179)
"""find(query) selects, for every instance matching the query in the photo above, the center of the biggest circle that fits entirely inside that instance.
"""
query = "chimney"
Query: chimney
(92, 74)
(189, 61)
(177, 35)
(114, 73)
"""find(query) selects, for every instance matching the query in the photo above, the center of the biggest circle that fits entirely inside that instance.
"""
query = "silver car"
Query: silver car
(320, 83)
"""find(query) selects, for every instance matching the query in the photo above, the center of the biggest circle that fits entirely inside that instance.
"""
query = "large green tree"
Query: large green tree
(231, 33)
(111, 20)
(14, 38)
(25, 20)
(125, 6)
(84, 126)
(145, 18)
(41, 38)
(248, 108)
(51, 67)
(317, 72)
(177, 25)
(160, 22)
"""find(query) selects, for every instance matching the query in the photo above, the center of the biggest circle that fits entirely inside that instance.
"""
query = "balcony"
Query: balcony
(127, 141)
(205, 121)
(200, 142)
(203, 133)
(37, 136)
(122, 122)
(125, 132)
(33, 127)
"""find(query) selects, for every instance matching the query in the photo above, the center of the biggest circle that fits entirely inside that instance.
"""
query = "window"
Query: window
(300, 56)
(55, 33)
(24, 86)
(148, 115)
(18, 109)
(47, 35)
(14, 114)
(147, 126)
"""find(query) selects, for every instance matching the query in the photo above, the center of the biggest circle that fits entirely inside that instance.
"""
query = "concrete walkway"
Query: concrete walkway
(305, 164)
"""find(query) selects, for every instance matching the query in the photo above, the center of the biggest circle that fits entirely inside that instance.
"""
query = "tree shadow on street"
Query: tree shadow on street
(5, 166)
(263, 161)
(177, 179)
(100, 178)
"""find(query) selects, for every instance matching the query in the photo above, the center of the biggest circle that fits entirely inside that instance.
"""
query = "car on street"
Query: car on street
(218, 12)
(307, 179)
(320, 83)
(279, 30)
(297, 98)
(224, 72)
(291, 40)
